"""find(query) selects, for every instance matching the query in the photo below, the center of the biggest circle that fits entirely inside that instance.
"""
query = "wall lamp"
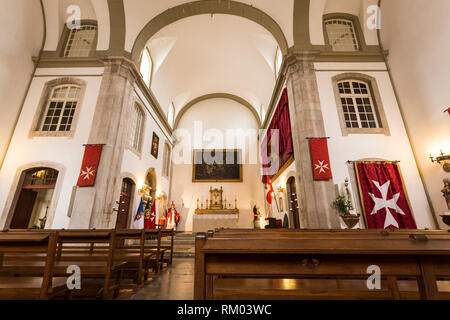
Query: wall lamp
(442, 159)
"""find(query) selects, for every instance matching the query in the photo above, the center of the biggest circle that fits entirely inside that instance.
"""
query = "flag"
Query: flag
(383, 196)
(139, 218)
(91, 159)
(271, 190)
(147, 215)
(448, 110)
(320, 159)
(152, 220)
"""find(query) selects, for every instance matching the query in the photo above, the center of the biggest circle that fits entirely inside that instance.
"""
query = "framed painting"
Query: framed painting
(155, 145)
(217, 166)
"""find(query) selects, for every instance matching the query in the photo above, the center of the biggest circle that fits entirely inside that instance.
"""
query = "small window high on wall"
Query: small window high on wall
(137, 127)
(171, 115)
(146, 67)
(167, 160)
(278, 62)
(81, 41)
(341, 34)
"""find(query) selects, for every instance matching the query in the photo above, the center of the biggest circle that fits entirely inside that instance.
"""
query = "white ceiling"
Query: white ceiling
(213, 54)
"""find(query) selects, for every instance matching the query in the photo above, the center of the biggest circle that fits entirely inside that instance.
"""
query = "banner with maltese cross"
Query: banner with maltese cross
(91, 159)
(320, 159)
(383, 196)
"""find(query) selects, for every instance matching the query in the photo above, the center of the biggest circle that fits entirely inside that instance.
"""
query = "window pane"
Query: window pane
(146, 67)
(357, 105)
(81, 41)
(61, 108)
(136, 128)
(341, 34)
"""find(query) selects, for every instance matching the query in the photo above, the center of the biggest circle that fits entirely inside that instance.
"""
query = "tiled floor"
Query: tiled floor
(174, 283)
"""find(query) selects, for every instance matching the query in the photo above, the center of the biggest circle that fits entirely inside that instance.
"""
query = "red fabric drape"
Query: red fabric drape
(383, 196)
(281, 121)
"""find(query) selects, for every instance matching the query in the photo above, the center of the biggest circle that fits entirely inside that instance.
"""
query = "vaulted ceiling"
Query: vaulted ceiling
(208, 54)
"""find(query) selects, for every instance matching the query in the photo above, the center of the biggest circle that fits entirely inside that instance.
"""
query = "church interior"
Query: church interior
(225, 150)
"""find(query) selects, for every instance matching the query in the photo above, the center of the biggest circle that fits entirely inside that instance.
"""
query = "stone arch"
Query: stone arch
(208, 7)
(16, 186)
(216, 96)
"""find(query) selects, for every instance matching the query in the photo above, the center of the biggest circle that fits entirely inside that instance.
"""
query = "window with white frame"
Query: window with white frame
(81, 41)
(60, 110)
(146, 67)
(341, 34)
(357, 103)
(171, 115)
(167, 160)
(278, 62)
(137, 126)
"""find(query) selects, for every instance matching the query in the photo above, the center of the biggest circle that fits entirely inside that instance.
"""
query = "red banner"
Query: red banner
(271, 190)
(320, 159)
(88, 173)
(383, 196)
(150, 217)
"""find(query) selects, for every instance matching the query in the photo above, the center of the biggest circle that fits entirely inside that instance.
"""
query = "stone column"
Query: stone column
(93, 207)
(315, 197)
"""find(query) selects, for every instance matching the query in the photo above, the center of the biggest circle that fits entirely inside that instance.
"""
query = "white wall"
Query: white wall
(417, 34)
(220, 114)
(357, 147)
(138, 165)
(66, 152)
(21, 33)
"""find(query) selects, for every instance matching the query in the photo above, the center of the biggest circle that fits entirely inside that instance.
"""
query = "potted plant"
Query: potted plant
(343, 206)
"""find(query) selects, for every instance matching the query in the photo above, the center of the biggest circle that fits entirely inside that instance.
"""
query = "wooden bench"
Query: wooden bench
(280, 264)
(38, 282)
(101, 272)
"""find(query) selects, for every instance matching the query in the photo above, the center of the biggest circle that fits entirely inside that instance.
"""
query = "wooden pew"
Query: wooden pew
(320, 264)
(91, 250)
(39, 284)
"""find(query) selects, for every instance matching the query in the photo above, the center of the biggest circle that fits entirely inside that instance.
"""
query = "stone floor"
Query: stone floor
(174, 283)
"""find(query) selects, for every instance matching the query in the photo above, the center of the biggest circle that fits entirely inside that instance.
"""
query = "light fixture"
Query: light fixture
(443, 159)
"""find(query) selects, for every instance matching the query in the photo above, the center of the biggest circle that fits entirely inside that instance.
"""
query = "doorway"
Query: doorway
(293, 202)
(35, 198)
(124, 204)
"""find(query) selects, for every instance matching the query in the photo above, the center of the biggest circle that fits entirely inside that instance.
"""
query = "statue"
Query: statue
(446, 191)
(172, 217)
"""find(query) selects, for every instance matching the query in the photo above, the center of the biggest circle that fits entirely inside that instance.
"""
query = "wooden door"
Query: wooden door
(293, 202)
(124, 205)
(24, 209)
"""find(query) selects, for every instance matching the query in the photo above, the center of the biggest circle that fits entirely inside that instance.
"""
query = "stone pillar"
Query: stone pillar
(93, 207)
(315, 197)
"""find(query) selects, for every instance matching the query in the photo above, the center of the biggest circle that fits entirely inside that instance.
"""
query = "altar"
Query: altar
(217, 214)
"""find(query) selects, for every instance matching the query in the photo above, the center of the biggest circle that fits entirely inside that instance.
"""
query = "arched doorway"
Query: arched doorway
(293, 203)
(126, 193)
(35, 198)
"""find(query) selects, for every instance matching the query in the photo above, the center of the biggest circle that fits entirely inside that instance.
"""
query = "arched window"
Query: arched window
(359, 105)
(146, 67)
(278, 61)
(171, 115)
(60, 110)
(137, 128)
(167, 160)
(81, 41)
(341, 34)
